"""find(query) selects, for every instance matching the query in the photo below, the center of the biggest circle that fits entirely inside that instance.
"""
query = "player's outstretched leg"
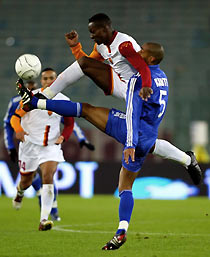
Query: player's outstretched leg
(193, 169)
(116, 242)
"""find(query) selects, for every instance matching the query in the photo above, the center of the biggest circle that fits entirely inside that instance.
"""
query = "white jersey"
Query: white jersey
(112, 54)
(42, 126)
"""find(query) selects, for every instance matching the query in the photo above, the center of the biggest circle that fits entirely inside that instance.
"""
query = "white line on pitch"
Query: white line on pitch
(61, 228)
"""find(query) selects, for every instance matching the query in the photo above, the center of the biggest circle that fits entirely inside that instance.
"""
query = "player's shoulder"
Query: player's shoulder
(124, 37)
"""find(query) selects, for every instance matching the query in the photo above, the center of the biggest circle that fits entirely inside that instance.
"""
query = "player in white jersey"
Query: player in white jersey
(122, 53)
(40, 146)
(118, 49)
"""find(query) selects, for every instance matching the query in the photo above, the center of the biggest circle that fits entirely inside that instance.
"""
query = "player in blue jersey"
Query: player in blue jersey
(137, 129)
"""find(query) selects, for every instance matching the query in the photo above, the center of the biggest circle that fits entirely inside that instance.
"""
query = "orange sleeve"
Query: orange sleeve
(16, 118)
(78, 53)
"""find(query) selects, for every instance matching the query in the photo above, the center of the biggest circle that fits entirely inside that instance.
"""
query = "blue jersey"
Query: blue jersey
(144, 117)
(138, 128)
(8, 130)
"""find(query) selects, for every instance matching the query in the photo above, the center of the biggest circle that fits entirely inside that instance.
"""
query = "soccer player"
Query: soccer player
(40, 146)
(122, 54)
(11, 149)
(137, 130)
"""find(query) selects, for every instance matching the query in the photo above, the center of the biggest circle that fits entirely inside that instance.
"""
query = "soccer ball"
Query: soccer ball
(28, 66)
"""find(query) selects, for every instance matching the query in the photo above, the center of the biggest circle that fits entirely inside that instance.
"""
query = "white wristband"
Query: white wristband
(41, 104)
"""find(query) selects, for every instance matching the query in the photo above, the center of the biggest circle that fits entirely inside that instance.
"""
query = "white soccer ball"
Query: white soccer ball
(28, 66)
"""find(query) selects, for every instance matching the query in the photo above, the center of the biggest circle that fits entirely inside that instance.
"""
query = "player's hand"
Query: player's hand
(20, 135)
(13, 154)
(59, 140)
(87, 144)
(72, 38)
(145, 93)
(129, 152)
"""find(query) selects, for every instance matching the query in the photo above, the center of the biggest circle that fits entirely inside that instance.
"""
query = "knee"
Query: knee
(47, 179)
(84, 62)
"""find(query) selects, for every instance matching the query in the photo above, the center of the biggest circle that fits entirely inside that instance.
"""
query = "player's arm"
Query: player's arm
(16, 123)
(8, 130)
(82, 138)
(76, 47)
(67, 130)
(133, 113)
(9, 141)
(134, 58)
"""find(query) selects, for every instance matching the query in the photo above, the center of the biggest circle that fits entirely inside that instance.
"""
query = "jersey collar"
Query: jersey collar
(154, 66)
(113, 37)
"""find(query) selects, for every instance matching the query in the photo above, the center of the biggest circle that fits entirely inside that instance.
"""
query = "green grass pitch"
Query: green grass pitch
(157, 228)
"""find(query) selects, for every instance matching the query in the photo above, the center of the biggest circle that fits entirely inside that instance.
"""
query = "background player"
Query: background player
(137, 130)
(11, 149)
(30, 135)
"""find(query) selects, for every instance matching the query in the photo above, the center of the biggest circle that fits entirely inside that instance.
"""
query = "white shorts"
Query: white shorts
(119, 87)
(31, 155)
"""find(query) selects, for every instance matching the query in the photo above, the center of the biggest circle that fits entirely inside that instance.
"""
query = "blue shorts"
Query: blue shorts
(116, 128)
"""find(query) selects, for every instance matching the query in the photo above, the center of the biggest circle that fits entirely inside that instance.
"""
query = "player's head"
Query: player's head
(152, 53)
(100, 28)
(31, 85)
(48, 75)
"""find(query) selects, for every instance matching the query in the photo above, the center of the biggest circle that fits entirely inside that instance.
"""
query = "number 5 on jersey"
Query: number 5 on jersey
(162, 102)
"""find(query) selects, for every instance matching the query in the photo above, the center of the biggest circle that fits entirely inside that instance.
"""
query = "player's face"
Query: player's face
(98, 33)
(145, 53)
(47, 78)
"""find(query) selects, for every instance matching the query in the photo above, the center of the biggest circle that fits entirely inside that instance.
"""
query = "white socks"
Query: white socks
(47, 196)
(123, 225)
(67, 77)
(166, 150)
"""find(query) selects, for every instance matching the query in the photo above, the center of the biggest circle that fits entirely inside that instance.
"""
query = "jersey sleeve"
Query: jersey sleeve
(16, 119)
(78, 52)
(78, 132)
(8, 136)
(134, 58)
(68, 127)
(133, 113)
(8, 130)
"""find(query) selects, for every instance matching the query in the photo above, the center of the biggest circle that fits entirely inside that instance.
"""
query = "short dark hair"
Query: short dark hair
(48, 69)
(101, 18)
(157, 51)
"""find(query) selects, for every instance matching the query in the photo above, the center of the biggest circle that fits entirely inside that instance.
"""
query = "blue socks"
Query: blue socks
(61, 107)
(125, 208)
(64, 107)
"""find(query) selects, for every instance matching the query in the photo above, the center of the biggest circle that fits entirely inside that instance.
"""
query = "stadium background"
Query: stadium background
(182, 27)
